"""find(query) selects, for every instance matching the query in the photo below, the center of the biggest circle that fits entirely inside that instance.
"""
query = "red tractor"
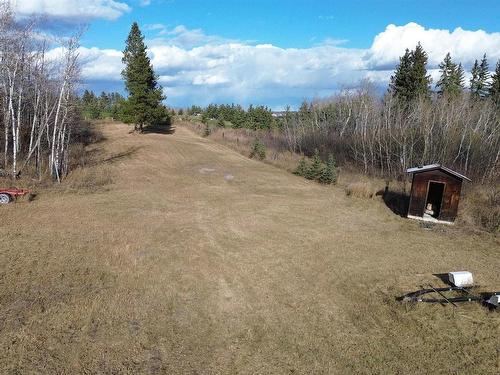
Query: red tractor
(8, 195)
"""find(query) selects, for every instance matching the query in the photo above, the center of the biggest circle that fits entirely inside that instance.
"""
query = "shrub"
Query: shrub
(329, 173)
(301, 168)
(316, 168)
(206, 130)
(258, 149)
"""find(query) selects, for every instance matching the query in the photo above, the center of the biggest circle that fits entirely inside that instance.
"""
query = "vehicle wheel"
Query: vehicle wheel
(4, 198)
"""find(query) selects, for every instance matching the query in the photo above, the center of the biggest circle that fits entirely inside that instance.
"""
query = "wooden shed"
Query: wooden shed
(435, 193)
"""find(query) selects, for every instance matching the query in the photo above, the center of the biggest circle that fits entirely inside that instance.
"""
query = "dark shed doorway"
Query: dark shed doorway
(434, 198)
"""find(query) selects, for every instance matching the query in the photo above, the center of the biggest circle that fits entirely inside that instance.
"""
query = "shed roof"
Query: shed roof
(432, 167)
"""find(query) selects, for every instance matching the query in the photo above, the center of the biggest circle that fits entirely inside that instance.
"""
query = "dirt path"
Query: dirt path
(197, 260)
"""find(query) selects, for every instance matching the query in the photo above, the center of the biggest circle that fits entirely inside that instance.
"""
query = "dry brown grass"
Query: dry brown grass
(176, 268)
(88, 179)
(480, 208)
(362, 189)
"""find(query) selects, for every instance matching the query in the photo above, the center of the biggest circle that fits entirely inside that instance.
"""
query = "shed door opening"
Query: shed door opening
(434, 199)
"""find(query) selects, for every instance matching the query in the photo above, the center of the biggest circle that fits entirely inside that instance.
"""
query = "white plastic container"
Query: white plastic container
(461, 278)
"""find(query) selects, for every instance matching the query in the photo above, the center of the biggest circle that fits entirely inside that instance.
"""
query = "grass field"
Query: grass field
(197, 260)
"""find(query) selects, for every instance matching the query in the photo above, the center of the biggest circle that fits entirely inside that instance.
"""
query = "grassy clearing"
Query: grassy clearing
(176, 268)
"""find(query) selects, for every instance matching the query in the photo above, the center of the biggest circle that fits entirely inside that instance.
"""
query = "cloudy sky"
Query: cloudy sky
(273, 52)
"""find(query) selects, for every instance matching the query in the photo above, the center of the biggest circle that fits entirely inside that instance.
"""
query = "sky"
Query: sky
(273, 52)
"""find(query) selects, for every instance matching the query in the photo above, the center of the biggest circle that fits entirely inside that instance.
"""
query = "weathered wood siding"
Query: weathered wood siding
(451, 195)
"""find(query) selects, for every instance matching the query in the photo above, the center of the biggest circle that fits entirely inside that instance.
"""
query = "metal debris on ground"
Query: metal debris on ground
(459, 292)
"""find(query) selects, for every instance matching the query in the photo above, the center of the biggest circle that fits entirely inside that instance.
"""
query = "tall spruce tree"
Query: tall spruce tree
(400, 85)
(420, 79)
(494, 91)
(460, 77)
(479, 80)
(410, 80)
(452, 76)
(144, 105)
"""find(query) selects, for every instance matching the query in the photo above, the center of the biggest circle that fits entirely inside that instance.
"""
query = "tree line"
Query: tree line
(411, 124)
(38, 107)
(234, 115)
(106, 105)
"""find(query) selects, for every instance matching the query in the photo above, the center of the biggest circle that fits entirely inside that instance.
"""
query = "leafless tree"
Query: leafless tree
(386, 136)
(36, 96)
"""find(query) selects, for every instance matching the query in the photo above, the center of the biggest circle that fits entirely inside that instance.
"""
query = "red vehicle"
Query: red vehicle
(8, 195)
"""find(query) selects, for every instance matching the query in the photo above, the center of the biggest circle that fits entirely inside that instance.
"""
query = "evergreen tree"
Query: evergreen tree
(479, 80)
(90, 105)
(258, 149)
(400, 85)
(329, 173)
(494, 91)
(316, 168)
(459, 77)
(420, 80)
(410, 80)
(301, 168)
(452, 77)
(144, 104)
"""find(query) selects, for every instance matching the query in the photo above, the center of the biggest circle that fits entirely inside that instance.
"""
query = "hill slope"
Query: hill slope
(199, 260)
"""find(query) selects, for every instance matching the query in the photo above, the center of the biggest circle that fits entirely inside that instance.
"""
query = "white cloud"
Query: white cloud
(101, 64)
(199, 68)
(182, 36)
(86, 9)
(463, 45)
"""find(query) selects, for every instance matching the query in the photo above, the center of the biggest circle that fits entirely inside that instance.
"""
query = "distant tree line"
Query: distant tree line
(106, 105)
(235, 116)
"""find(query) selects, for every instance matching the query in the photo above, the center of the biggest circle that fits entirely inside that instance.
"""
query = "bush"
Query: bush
(207, 130)
(319, 171)
(258, 150)
(301, 168)
(329, 173)
(316, 169)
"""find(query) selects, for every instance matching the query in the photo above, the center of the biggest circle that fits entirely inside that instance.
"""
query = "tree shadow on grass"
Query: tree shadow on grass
(120, 155)
(159, 129)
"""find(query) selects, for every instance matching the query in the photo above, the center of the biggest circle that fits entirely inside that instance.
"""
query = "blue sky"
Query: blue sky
(272, 52)
(297, 23)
